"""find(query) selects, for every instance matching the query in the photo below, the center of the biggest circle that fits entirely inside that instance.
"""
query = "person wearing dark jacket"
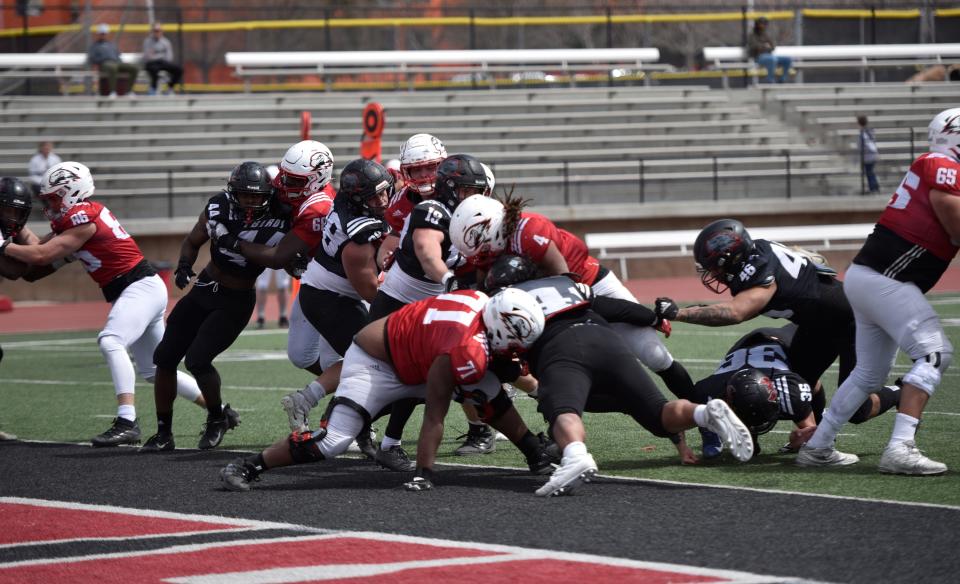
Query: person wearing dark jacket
(760, 48)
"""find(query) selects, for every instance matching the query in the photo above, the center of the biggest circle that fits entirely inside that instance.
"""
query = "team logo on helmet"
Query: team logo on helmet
(62, 176)
(319, 159)
(772, 395)
(519, 326)
(477, 234)
(952, 125)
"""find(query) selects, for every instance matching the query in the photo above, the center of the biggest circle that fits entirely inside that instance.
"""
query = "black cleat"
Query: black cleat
(395, 458)
(123, 431)
(158, 443)
(479, 440)
(238, 475)
(547, 457)
(365, 442)
(215, 428)
(284, 322)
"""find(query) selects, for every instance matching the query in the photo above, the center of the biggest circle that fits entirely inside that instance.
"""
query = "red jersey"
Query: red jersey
(533, 235)
(309, 215)
(401, 204)
(448, 324)
(909, 213)
(110, 252)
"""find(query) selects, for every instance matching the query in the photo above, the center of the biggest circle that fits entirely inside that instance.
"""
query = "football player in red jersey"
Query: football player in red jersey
(483, 228)
(89, 231)
(909, 250)
(434, 349)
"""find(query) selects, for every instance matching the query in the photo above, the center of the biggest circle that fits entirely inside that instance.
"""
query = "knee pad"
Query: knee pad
(336, 438)
(495, 408)
(109, 343)
(926, 373)
(304, 446)
(646, 345)
(863, 412)
(163, 358)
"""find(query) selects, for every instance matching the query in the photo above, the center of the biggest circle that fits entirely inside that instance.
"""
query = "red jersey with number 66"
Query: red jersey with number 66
(909, 243)
(110, 252)
(533, 235)
(448, 324)
(308, 217)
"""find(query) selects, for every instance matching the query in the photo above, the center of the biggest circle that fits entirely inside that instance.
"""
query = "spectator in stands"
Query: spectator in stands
(869, 155)
(39, 163)
(760, 48)
(157, 57)
(104, 57)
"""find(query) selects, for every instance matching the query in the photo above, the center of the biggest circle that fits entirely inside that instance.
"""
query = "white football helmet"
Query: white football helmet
(63, 186)
(514, 320)
(476, 228)
(944, 133)
(491, 180)
(305, 169)
(419, 158)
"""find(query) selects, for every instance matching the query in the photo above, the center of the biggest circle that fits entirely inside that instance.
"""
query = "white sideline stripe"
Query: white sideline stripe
(729, 488)
(126, 537)
(512, 553)
(92, 340)
(138, 384)
(250, 523)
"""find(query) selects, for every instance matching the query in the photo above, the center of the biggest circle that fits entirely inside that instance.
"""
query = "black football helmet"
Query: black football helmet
(360, 181)
(754, 399)
(720, 251)
(250, 178)
(508, 270)
(458, 177)
(15, 206)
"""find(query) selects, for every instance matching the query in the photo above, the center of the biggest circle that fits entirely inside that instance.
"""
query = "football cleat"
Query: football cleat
(298, 409)
(711, 447)
(367, 443)
(215, 428)
(830, 456)
(479, 440)
(566, 478)
(122, 431)
(726, 424)
(905, 458)
(394, 458)
(238, 475)
(158, 443)
(547, 457)
(284, 322)
(4, 436)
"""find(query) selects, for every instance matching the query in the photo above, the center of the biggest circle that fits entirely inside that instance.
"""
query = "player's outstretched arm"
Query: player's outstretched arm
(439, 391)
(743, 306)
(56, 248)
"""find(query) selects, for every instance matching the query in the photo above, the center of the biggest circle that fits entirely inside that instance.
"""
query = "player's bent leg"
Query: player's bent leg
(577, 465)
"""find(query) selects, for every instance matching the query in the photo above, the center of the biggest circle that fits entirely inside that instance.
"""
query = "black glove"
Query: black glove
(423, 481)
(298, 265)
(229, 242)
(665, 308)
(184, 274)
(449, 282)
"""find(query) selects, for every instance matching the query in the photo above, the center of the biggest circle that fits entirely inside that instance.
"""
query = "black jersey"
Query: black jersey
(342, 226)
(426, 215)
(799, 281)
(766, 350)
(268, 230)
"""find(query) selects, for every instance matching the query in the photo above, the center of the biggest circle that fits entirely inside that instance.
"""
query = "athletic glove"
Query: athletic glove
(449, 282)
(585, 291)
(3, 246)
(222, 237)
(421, 482)
(298, 265)
(666, 309)
(184, 273)
(663, 325)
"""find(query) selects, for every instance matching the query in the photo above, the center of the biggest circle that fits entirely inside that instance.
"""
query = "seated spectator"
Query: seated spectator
(40, 163)
(157, 57)
(760, 48)
(104, 57)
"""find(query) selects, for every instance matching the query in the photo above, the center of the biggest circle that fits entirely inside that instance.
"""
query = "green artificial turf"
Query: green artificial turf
(55, 386)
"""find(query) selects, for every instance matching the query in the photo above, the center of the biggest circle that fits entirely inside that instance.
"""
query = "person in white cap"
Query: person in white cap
(103, 56)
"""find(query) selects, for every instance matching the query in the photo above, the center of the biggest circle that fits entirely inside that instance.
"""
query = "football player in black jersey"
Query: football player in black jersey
(15, 206)
(768, 278)
(341, 277)
(583, 366)
(765, 352)
(206, 321)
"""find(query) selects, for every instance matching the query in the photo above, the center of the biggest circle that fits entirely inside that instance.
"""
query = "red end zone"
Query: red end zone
(347, 557)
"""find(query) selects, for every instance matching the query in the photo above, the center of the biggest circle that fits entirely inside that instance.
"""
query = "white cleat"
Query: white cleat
(572, 472)
(813, 457)
(736, 437)
(905, 458)
(298, 410)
